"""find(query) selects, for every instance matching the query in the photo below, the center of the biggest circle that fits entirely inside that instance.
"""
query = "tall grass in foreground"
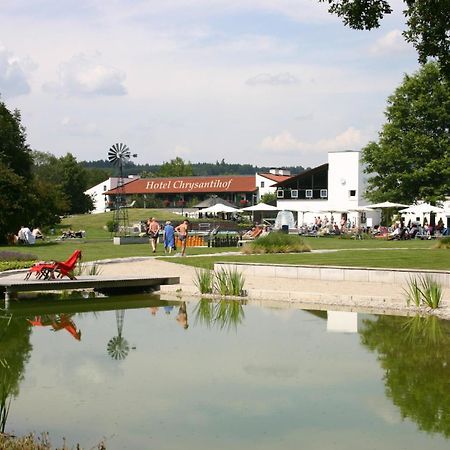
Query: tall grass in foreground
(277, 243)
(223, 282)
(424, 290)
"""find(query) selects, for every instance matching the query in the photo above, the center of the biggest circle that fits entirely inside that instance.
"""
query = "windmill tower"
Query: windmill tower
(118, 346)
(118, 155)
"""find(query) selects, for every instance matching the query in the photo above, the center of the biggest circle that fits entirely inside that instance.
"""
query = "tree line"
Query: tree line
(179, 167)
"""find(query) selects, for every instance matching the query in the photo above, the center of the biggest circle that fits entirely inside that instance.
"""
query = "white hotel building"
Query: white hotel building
(335, 188)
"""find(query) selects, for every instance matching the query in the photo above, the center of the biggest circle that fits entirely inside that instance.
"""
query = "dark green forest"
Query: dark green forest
(198, 169)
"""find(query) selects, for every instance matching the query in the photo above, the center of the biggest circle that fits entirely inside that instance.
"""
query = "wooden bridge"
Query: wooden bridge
(106, 285)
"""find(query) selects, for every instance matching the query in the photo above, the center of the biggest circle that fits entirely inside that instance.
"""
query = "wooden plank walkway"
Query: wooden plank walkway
(99, 283)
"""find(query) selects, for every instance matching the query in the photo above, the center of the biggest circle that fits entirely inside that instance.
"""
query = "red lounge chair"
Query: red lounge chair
(47, 270)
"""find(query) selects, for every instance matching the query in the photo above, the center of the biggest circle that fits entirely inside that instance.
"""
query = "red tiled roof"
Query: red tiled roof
(188, 185)
(277, 178)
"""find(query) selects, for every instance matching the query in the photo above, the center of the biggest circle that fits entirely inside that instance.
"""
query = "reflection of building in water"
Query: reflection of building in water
(342, 322)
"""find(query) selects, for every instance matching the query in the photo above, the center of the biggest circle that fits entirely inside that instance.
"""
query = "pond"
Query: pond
(144, 373)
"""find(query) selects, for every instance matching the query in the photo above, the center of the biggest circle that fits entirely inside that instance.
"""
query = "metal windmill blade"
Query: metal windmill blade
(119, 154)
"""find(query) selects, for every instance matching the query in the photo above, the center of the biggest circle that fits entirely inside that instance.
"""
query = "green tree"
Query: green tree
(269, 198)
(427, 21)
(411, 160)
(175, 168)
(66, 180)
(15, 173)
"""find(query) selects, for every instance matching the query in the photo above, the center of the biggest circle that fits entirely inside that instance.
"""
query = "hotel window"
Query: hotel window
(294, 193)
(262, 184)
(309, 193)
(352, 193)
(280, 193)
(104, 187)
(323, 193)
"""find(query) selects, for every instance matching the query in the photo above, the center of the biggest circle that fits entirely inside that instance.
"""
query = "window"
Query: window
(294, 193)
(352, 193)
(104, 187)
(323, 193)
(309, 193)
(262, 184)
(280, 193)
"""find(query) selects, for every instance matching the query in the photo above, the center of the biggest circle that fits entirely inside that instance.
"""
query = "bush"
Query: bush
(16, 256)
(443, 243)
(277, 243)
(223, 282)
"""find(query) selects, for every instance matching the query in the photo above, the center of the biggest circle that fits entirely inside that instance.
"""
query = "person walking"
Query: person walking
(153, 228)
(183, 230)
(169, 237)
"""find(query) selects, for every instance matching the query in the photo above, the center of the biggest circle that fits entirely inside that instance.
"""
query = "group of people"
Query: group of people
(26, 236)
(413, 230)
(182, 316)
(154, 229)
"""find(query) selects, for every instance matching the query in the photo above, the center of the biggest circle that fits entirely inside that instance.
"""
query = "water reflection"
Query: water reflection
(118, 346)
(225, 314)
(415, 354)
(57, 322)
(15, 349)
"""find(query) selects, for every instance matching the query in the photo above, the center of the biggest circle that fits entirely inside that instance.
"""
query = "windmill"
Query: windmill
(118, 346)
(118, 155)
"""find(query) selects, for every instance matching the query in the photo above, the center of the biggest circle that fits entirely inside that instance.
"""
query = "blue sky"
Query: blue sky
(268, 82)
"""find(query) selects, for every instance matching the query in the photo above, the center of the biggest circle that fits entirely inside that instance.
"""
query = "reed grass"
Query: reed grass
(424, 290)
(204, 281)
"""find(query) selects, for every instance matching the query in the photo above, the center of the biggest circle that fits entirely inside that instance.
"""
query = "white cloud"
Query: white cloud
(349, 139)
(278, 79)
(13, 78)
(391, 42)
(85, 76)
(75, 127)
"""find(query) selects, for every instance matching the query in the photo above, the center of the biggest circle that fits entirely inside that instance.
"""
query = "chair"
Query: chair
(47, 270)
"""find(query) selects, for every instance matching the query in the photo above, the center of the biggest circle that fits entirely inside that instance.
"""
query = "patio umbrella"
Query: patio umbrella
(219, 208)
(422, 208)
(385, 205)
(261, 207)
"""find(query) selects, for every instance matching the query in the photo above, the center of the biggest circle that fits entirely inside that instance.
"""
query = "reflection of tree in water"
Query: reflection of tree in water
(118, 346)
(222, 313)
(15, 351)
(415, 353)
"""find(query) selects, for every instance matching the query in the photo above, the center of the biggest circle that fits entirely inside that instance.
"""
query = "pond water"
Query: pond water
(144, 373)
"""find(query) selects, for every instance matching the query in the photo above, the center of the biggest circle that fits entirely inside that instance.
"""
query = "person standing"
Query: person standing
(169, 237)
(153, 232)
(183, 230)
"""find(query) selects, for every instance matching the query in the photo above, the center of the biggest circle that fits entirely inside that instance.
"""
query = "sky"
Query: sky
(265, 82)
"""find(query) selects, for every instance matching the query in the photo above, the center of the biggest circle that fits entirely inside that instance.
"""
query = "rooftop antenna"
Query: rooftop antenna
(118, 155)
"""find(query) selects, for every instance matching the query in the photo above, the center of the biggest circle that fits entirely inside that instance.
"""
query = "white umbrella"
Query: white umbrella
(423, 208)
(219, 208)
(260, 207)
(386, 205)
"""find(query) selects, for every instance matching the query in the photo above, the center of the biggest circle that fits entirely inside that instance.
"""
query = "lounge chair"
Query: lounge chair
(47, 270)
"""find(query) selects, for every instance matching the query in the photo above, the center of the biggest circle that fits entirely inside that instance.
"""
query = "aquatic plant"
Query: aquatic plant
(276, 243)
(221, 282)
(413, 292)
(88, 269)
(431, 291)
(224, 313)
(428, 329)
(204, 312)
(204, 281)
(424, 290)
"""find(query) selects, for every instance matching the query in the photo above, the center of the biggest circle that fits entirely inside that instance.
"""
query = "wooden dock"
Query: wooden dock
(107, 285)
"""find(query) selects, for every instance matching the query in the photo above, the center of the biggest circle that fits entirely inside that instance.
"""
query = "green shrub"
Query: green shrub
(14, 265)
(413, 293)
(277, 243)
(443, 243)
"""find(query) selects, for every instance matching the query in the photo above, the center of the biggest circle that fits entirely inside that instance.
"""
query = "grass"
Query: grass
(407, 259)
(443, 243)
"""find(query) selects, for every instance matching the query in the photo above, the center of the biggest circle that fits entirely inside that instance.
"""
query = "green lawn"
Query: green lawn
(424, 258)
(369, 252)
